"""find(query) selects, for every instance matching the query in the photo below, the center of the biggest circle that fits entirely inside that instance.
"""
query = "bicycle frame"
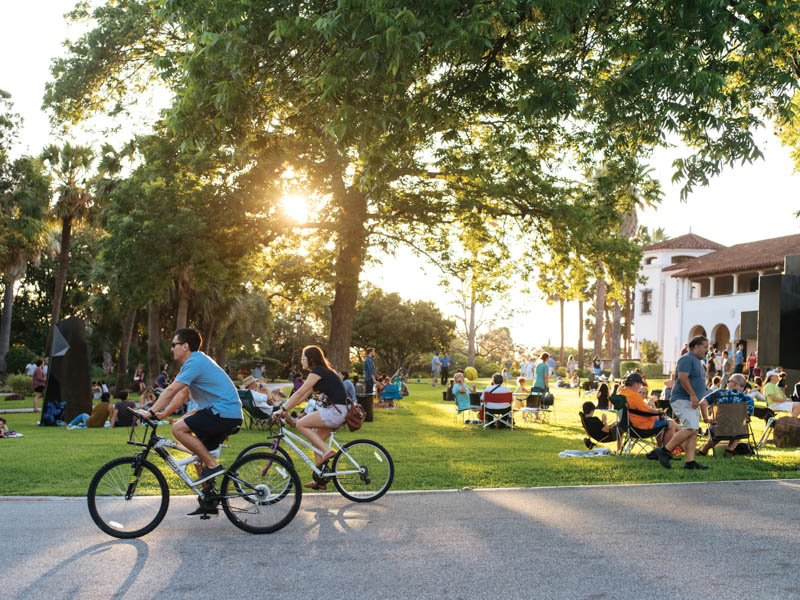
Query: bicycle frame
(291, 438)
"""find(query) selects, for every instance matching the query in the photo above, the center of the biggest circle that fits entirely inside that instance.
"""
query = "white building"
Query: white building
(697, 287)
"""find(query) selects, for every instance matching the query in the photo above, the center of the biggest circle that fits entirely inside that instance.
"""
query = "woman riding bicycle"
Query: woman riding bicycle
(317, 426)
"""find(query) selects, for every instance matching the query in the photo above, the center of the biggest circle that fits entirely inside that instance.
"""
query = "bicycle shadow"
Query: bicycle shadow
(53, 576)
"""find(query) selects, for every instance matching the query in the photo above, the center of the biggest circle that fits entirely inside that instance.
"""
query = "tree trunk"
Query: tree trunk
(5, 323)
(607, 332)
(615, 335)
(352, 239)
(628, 322)
(61, 278)
(153, 338)
(561, 306)
(183, 302)
(124, 347)
(471, 334)
(580, 334)
(599, 309)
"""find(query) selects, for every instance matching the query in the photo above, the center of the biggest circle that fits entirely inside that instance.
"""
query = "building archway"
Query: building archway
(720, 336)
(697, 330)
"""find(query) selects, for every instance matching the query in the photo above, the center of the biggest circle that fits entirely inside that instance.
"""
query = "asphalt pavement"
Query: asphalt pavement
(676, 541)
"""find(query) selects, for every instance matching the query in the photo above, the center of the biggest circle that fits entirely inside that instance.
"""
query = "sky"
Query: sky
(745, 203)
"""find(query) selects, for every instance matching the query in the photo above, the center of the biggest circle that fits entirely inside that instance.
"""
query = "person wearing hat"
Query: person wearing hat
(776, 397)
(631, 391)
(689, 388)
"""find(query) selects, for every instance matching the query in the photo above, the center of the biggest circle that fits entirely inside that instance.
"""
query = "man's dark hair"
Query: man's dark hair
(123, 395)
(105, 397)
(697, 340)
(370, 351)
(355, 378)
(345, 375)
(545, 356)
(497, 379)
(588, 407)
(39, 363)
(190, 336)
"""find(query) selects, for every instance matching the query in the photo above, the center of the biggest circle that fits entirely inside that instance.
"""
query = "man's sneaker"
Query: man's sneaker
(209, 473)
(663, 456)
(203, 512)
(695, 465)
(588, 443)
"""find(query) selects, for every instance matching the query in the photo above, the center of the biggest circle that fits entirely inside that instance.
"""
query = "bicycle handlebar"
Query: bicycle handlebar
(136, 414)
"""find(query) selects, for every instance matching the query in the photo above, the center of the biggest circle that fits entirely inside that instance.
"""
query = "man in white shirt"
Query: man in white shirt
(30, 368)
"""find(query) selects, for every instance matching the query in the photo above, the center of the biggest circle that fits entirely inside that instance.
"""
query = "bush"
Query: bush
(584, 373)
(650, 351)
(470, 373)
(272, 367)
(98, 374)
(485, 367)
(20, 383)
(653, 370)
(17, 357)
(561, 371)
(628, 365)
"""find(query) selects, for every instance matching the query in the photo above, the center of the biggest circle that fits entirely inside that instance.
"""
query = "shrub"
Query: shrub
(654, 370)
(272, 367)
(584, 373)
(470, 373)
(561, 371)
(98, 373)
(20, 383)
(17, 357)
(650, 351)
(628, 365)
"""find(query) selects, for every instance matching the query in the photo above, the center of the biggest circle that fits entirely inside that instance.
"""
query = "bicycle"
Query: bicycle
(128, 497)
(367, 469)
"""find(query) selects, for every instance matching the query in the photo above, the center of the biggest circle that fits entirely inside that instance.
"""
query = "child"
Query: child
(598, 429)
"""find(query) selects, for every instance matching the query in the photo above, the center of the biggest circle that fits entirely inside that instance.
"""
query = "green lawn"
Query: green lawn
(429, 449)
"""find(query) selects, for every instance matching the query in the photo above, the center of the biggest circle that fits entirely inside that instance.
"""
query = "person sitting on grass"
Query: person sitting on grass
(99, 415)
(599, 430)
(576, 381)
(118, 414)
(734, 393)
(776, 398)
(602, 396)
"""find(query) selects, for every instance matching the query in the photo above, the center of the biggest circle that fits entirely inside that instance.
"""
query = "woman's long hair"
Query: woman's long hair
(602, 396)
(316, 357)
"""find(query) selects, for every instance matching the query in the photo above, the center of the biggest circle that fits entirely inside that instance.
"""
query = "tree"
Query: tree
(70, 168)
(399, 330)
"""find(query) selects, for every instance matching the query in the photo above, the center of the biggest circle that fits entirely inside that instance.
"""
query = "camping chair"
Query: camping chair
(497, 409)
(256, 417)
(536, 406)
(464, 405)
(611, 436)
(391, 392)
(633, 438)
(731, 422)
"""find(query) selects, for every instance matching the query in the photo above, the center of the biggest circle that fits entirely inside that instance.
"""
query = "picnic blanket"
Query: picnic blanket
(585, 453)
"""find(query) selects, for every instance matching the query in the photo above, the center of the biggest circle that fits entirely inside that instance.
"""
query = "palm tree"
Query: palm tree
(23, 234)
(69, 166)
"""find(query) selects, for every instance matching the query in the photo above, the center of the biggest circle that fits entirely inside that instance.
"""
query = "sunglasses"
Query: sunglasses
(173, 344)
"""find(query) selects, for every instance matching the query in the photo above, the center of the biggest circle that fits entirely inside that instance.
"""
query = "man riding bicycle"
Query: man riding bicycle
(219, 411)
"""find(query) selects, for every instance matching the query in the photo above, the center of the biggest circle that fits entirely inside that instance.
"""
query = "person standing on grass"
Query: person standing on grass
(739, 363)
(30, 368)
(445, 361)
(370, 374)
(37, 383)
(541, 375)
(436, 369)
(727, 369)
(685, 402)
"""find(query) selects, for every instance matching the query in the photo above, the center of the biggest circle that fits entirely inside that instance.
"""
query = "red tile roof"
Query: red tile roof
(762, 254)
(690, 241)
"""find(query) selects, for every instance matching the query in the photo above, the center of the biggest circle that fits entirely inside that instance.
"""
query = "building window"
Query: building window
(647, 302)
(723, 285)
(649, 260)
(675, 260)
(747, 283)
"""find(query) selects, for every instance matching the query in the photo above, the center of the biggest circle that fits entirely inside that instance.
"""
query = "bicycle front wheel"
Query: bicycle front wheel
(372, 471)
(128, 498)
(261, 493)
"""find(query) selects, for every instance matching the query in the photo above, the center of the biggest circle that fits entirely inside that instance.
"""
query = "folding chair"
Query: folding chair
(465, 404)
(497, 409)
(633, 438)
(535, 407)
(391, 392)
(732, 422)
(255, 417)
(611, 436)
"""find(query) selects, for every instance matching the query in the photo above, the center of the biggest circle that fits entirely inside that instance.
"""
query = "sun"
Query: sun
(295, 206)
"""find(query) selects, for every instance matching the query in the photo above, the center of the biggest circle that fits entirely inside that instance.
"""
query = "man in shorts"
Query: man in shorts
(685, 401)
(436, 369)
(219, 411)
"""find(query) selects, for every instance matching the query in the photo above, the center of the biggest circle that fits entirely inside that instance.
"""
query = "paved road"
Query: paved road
(705, 540)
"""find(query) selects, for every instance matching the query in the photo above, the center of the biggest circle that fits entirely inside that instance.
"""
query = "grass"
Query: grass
(429, 449)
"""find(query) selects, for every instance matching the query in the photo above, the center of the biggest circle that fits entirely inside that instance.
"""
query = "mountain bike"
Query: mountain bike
(128, 496)
(361, 470)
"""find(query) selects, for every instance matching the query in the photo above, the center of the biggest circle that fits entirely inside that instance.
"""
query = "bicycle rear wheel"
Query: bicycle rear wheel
(261, 493)
(265, 447)
(128, 499)
(375, 471)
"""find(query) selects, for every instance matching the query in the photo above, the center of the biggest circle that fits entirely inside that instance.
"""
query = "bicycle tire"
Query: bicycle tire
(265, 447)
(275, 497)
(376, 471)
(111, 482)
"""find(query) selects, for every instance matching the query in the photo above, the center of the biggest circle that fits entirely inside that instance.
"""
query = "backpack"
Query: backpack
(52, 413)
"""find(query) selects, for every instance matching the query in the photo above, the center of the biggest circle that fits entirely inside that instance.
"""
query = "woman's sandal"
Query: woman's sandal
(701, 452)
(313, 485)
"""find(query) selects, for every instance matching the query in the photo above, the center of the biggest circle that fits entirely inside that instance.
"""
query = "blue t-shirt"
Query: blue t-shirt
(542, 369)
(689, 363)
(350, 389)
(445, 362)
(739, 357)
(435, 363)
(210, 386)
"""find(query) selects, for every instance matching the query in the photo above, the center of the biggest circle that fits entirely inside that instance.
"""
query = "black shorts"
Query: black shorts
(210, 428)
(39, 389)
